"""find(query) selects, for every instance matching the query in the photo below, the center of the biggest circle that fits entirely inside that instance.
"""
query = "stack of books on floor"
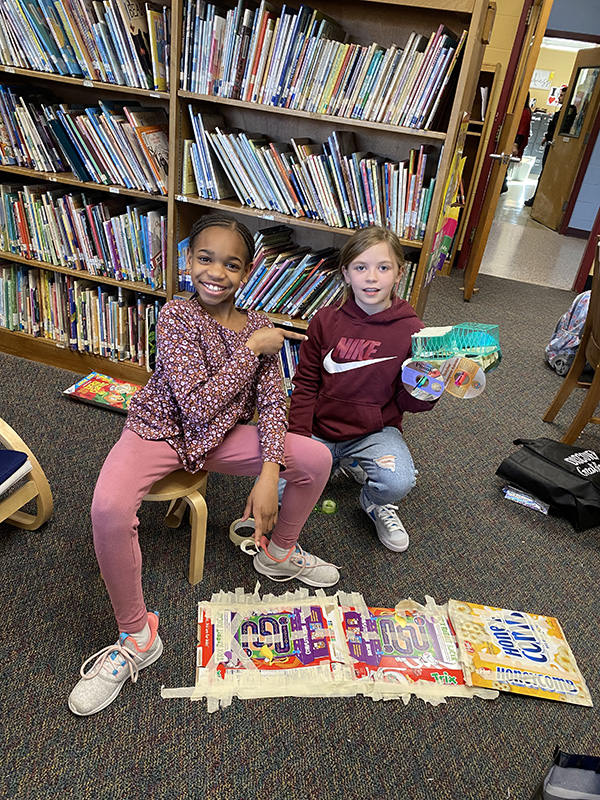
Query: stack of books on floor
(332, 182)
(124, 145)
(79, 314)
(115, 42)
(300, 60)
(291, 280)
(71, 230)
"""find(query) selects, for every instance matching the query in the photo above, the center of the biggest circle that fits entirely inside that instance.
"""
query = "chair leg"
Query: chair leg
(198, 516)
(583, 416)
(37, 488)
(175, 513)
(569, 383)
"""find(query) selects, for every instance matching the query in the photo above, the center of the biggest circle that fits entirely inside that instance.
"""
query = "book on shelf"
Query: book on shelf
(300, 59)
(101, 390)
(158, 44)
(188, 177)
(155, 142)
(212, 180)
(68, 229)
(78, 314)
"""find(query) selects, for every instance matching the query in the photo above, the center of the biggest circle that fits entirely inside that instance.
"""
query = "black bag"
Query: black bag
(570, 776)
(565, 477)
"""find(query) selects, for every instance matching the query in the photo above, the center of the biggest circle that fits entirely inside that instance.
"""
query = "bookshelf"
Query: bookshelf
(365, 22)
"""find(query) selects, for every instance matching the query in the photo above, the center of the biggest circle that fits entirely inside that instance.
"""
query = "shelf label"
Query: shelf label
(154, 94)
(89, 84)
(181, 197)
(52, 178)
(9, 69)
(114, 189)
(267, 216)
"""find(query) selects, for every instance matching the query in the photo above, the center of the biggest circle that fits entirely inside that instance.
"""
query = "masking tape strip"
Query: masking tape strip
(330, 678)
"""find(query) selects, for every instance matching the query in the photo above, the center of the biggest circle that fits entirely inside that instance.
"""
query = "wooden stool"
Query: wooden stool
(36, 487)
(179, 488)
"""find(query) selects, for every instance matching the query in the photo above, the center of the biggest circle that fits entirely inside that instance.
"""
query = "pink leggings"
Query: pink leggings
(134, 464)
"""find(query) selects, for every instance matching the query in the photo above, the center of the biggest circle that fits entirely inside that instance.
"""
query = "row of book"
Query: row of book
(300, 59)
(109, 144)
(332, 182)
(288, 279)
(65, 229)
(78, 314)
(115, 41)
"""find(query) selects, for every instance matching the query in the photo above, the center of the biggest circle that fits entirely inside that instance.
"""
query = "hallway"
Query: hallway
(524, 250)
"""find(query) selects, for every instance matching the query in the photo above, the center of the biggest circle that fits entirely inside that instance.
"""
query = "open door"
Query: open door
(571, 138)
(528, 40)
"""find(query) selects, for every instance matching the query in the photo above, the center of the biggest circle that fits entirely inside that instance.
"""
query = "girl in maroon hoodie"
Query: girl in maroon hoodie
(348, 390)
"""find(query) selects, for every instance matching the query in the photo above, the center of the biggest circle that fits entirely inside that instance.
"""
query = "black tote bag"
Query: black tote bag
(565, 477)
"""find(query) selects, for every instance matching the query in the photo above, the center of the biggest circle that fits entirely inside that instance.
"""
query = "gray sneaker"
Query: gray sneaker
(299, 564)
(112, 667)
(390, 531)
(352, 469)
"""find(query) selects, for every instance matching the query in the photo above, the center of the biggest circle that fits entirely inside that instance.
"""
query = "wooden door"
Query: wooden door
(577, 116)
(528, 40)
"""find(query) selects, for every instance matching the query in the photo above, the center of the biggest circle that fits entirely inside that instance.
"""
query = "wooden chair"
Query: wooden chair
(589, 350)
(183, 488)
(36, 487)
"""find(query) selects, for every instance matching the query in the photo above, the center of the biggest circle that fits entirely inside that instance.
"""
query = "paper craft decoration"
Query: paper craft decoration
(101, 390)
(311, 646)
(517, 652)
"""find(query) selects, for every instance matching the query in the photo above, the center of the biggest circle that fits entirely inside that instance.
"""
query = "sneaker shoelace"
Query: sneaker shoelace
(388, 516)
(105, 656)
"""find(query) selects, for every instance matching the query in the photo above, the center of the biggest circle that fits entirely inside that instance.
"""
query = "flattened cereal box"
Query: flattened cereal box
(517, 652)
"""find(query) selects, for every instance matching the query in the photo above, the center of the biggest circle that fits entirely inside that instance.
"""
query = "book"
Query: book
(101, 390)
(158, 44)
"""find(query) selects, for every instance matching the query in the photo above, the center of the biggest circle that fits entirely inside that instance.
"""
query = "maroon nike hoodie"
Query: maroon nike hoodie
(348, 382)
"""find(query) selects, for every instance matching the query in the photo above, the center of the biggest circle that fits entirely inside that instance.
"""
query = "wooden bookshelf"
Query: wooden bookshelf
(365, 21)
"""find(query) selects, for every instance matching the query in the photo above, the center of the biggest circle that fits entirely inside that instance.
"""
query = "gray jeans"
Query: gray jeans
(386, 460)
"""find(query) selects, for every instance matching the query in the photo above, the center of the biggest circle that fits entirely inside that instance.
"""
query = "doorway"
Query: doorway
(519, 247)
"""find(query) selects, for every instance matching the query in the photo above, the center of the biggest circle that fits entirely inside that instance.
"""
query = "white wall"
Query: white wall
(588, 199)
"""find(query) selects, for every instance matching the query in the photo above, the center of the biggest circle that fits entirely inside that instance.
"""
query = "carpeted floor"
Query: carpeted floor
(467, 543)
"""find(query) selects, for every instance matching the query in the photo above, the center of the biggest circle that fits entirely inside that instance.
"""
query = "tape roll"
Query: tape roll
(241, 525)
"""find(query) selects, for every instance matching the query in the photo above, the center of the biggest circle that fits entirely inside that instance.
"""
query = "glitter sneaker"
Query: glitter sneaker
(298, 564)
(113, 666)
(390, 531)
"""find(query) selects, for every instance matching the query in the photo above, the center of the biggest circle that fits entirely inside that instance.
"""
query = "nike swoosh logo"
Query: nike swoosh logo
(332, 366)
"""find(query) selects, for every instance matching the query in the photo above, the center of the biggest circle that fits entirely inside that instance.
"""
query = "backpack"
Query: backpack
(564, 342)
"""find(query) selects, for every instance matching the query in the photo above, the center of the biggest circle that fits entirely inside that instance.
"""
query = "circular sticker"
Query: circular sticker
(463, 377)
(422, 380)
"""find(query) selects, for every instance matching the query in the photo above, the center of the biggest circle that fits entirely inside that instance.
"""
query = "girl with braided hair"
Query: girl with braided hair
(216, 366)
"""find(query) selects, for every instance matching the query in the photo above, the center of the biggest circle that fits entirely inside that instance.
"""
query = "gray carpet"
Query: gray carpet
(467, 543)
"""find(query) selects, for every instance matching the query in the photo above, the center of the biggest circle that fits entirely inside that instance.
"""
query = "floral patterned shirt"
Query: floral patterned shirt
(206, 381)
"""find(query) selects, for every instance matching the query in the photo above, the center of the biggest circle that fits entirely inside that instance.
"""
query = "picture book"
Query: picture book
(512, 651)
(101, 390)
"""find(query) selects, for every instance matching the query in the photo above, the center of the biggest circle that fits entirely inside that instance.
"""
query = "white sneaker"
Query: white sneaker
(113, 666)
(390, 531)
(352, 469)
(299, 564)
